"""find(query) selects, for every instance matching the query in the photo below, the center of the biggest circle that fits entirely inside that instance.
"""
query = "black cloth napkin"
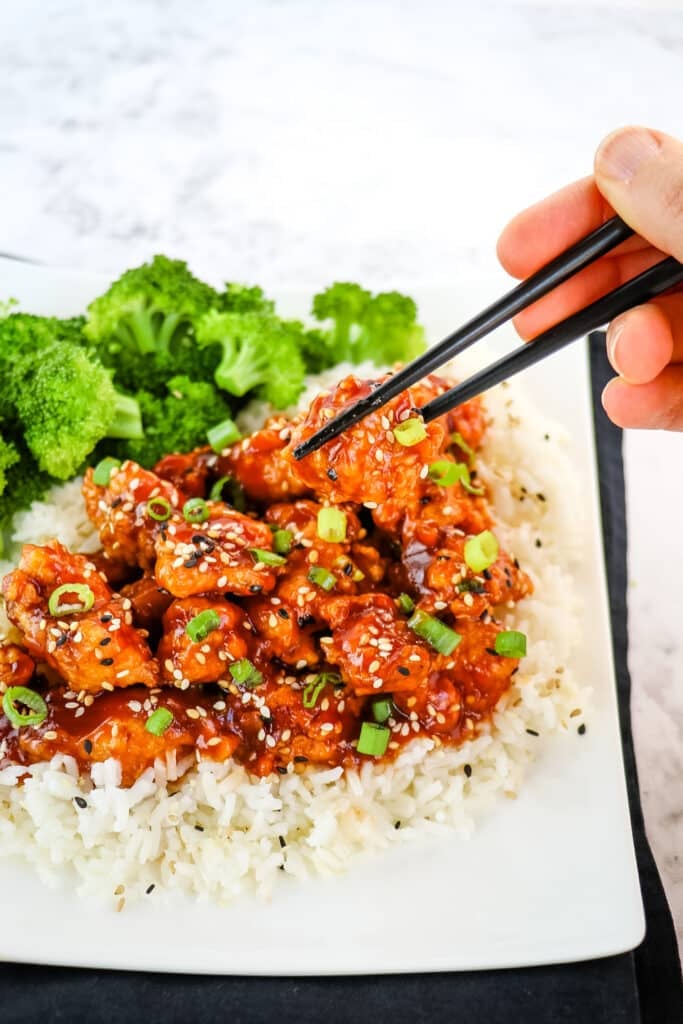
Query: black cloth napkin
(643, 987)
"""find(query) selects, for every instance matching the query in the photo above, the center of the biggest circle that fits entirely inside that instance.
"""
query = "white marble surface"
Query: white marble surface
(290, 142)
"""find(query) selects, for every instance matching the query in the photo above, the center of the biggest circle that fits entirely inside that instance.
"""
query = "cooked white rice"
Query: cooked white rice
(214, 831)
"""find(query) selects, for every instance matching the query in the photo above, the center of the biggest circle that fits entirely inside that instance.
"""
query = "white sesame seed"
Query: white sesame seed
(261, 735)
(214, 741)
(51, 734)
(373, 666)
(326, 727)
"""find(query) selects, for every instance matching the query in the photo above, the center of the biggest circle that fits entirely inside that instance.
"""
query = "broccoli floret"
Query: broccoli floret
(259, 351)
(24, 482)
(242, 298)
(66, 402)
(9, 456)
(381, 328)
(142, 327)
(178, 422)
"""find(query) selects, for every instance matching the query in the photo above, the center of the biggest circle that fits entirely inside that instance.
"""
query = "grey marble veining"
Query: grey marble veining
(290, 142)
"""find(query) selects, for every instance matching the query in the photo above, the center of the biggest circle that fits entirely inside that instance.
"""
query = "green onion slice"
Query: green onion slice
(223, 434)
(510, 643)
(332, 525)
(410, 432)
(381, 709)
(444, 473)
(195, 511)
(405, 604)
(481, 551)
(282, 541)
(86, 599)
(103, 470)
(466, 482)
(201, 625)
(16, 695)
(322, 577)
(458, 440)
(440, 636)
(373, 739)
(159, 509)
(313, 689)
(266, 557)
(159, 721)
(246, 673)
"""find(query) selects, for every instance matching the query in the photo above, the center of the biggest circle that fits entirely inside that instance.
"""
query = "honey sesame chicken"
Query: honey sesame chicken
(271, 632)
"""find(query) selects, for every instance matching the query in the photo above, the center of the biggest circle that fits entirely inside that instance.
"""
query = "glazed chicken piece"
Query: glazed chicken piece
(221, 640)
(287, 620)
(468, 420)
(122, 513)
(219, 554)
(373, 647)
(16, 667)
(367, 464)
(189, 473)
(94, 649)
(148, 601)
(115, 725)
(260, 467)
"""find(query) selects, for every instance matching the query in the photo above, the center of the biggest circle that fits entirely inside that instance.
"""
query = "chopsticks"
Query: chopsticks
(560, 269)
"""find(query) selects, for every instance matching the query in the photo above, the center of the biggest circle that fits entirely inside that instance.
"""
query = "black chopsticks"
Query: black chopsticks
(564, 266)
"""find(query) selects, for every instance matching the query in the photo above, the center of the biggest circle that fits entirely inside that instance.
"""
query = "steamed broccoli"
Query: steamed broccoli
(242, 298)
(66, 402)
(259, 351)
(23, 481)
(381, 328)
(178, 422)
(9, 456)
(142, 327)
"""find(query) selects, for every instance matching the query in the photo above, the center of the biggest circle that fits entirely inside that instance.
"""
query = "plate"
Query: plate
(548, 878)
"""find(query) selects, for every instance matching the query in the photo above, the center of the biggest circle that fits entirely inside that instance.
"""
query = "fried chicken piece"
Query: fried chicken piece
(91, 650)
(259, 465)
(375, 650)
(215, 555)
(120, 512)
(207, 659)
(16, 667)
(149, 601)
(189, 473)
(367, 464)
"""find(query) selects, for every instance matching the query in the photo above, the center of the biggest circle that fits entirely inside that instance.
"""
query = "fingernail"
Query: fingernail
(622, 153)
(614, 332)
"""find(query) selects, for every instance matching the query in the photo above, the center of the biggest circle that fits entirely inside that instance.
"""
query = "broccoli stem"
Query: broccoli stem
(142, 326)
(126, 421)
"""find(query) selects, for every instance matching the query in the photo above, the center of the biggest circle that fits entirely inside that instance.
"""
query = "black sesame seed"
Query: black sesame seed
(199, 828)
(280, 769)
(62, 640)
(348, 569)
(468, 770)
(516, 563)
(486, 574)
(282, 867)
(403, 670)
(107, 661)
(582, 729)
(539, 543)
(493, 651)
(116, 502)
(300, 759)
(397, 824)
(283, 613)
(149, 889)
(87, 746)
(305, 620)
(332, 473)
(105, 641)
(532, 732)
(107, 617)
(514, 671)
(541, 497)
(546, 437)
(282, 841)
(81, 802)
(191, 562)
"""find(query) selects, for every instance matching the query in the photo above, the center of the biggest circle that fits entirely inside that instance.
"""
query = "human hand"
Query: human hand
(638, 173)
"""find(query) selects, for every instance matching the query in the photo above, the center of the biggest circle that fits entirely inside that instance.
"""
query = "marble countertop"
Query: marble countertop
(289, 142)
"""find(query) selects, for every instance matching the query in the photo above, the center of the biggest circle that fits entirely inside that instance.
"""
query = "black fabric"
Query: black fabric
(636, 988)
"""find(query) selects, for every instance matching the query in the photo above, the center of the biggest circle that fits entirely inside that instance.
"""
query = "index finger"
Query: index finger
(544, 230)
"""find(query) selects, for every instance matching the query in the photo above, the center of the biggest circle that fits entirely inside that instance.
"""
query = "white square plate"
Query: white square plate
(548, 878)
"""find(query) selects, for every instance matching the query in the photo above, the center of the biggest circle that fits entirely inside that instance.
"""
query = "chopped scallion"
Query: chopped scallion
(223, 434)
(282, 541)
(16, 695)
(159, 721)
(313, 689)
(332, 525)
(159, 509)
(444, 473)
(459, 440)
(510, 643)
(322, 577)
(245, 673)
(201, 625)
(266, 557)
(410, 432)
(405, 604)
(195, 511)
(373, 739)
(381, 709)
(481, 551)
(440, 636)
(85, 599)
(235, 492)
(102, 472)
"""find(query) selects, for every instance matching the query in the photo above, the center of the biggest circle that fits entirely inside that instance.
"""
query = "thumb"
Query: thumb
(640, 173)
